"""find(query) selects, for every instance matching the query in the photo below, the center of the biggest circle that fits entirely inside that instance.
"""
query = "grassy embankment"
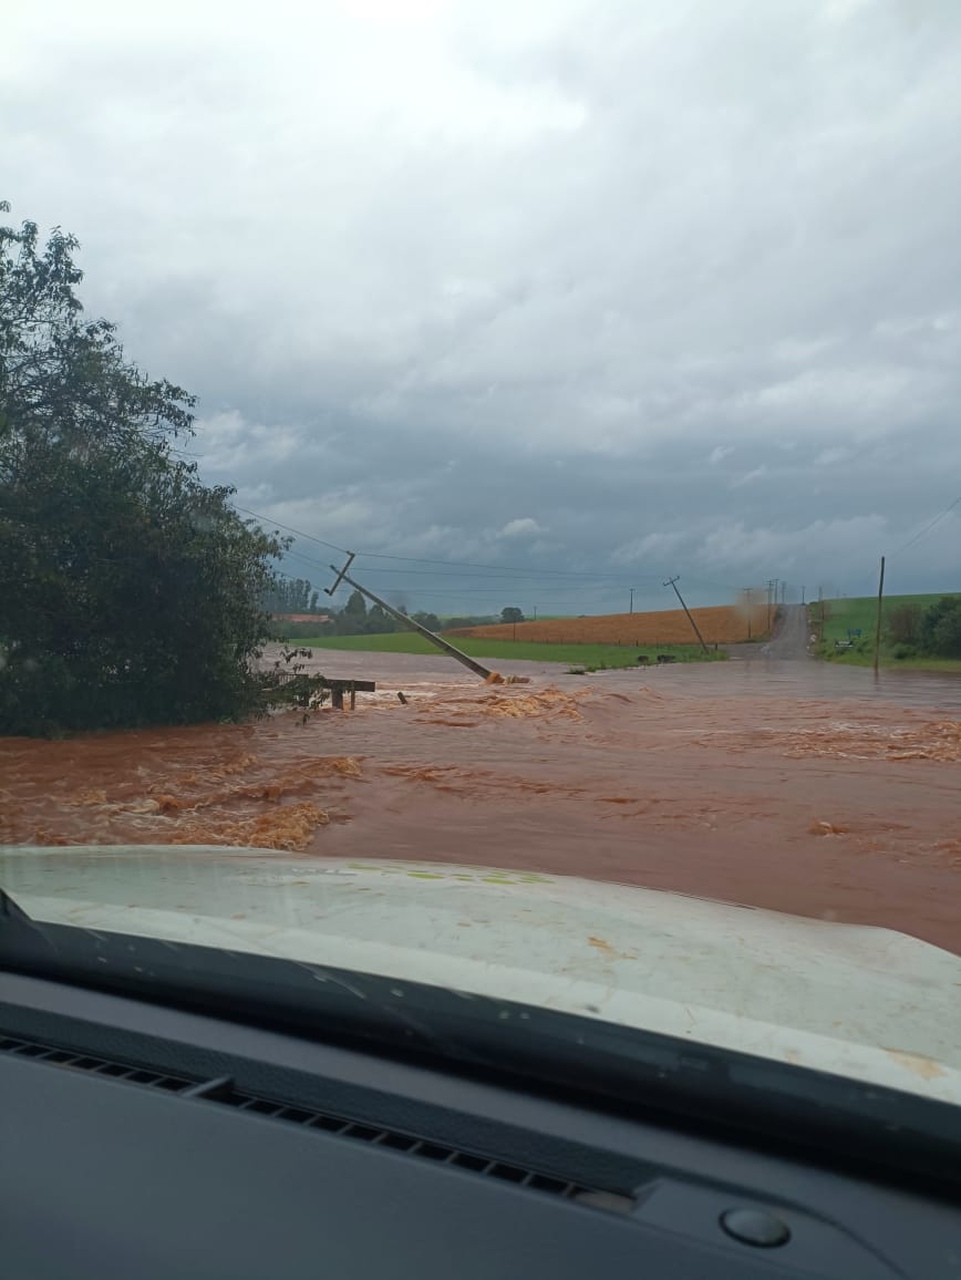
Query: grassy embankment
(860, 613)
(586, 656)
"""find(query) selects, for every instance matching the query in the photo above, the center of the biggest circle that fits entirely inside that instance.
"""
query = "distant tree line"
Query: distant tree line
(356, 618)
(934, 631)
(290, 595)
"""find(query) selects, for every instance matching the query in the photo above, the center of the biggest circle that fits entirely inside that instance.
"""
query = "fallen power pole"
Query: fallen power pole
(402, 618)
(672, 582)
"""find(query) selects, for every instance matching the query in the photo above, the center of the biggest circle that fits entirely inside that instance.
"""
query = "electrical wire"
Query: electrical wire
(298, 532)
(455, 564)
(928, 527)
(579, 591)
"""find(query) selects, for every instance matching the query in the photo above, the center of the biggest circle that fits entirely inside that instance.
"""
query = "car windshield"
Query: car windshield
(480, 499)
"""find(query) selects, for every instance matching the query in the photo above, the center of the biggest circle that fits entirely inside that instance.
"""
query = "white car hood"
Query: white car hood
(853, 1000)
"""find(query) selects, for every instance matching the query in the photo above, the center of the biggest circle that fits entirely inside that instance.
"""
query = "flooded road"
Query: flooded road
(788, 784)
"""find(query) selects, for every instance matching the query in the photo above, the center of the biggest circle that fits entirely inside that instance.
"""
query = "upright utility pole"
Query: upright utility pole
(631, 610)
(672, 582)
(403, 619)
(749, 597)
(877, 633)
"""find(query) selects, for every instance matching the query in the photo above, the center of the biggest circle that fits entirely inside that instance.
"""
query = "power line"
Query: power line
(517, 579)
(928, 527)
(381, 555)
(288, 529)
(473, 564)
(586, 592)
(604, 582)
(495, 573)
(529, 572)
(520, 575)
(555, 592)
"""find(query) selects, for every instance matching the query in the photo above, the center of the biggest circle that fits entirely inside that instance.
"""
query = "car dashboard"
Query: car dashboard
(153, 1141)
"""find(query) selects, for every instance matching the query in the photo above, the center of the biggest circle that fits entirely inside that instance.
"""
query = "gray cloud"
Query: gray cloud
(579, 287)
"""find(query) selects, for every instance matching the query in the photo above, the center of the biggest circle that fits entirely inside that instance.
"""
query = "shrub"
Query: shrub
(904, 624)
(129, 591)
(941, 628)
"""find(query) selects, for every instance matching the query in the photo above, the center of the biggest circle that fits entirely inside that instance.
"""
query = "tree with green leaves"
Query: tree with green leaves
(904, 624)
(512, 614)
(354, 612)
(290, 595)
(130, 593)
(940, 631)
(379, 622)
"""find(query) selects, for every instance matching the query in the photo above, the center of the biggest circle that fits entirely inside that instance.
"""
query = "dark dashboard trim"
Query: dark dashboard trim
(657, 1077)
(153, 1151)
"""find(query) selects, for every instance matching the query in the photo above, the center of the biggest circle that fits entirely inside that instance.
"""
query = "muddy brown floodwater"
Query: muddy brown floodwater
(793, 785)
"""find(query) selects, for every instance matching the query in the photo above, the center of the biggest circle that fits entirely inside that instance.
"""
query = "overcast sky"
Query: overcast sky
(597, 290)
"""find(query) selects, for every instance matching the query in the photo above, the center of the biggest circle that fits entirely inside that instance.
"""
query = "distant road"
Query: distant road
(791, 638)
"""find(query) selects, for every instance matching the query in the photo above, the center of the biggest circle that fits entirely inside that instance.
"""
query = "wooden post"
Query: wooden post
(877, 633)
(353, 696)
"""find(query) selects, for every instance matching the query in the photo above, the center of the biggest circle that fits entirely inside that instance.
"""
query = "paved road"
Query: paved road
(791, 639)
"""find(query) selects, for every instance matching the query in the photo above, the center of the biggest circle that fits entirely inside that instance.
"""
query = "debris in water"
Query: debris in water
(828, 829)
(287, 827)
(546, 704)
(550, 702)
(935, 740)
(210, 804)
(88, 797)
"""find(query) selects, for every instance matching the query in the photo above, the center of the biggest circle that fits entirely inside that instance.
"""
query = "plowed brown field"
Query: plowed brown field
(722, 624)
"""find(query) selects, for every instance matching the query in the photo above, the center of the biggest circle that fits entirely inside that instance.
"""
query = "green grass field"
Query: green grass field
(860, 613)
(575, 655)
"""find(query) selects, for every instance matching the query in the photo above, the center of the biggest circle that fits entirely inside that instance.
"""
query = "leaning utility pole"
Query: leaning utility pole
(402, 618)
(672, 582)
(877, 633)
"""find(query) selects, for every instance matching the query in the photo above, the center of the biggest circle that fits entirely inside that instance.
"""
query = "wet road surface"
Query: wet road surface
(779, 782)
